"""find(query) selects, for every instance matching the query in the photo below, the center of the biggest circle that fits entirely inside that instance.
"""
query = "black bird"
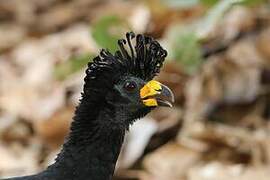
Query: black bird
(118, 90)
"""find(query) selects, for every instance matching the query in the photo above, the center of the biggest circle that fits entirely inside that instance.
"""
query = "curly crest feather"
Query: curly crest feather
(143, 60)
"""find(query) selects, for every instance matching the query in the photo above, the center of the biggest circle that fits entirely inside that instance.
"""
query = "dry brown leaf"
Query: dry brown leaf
(219, 171)
(170, 162)
(53, 130)
(263, 46)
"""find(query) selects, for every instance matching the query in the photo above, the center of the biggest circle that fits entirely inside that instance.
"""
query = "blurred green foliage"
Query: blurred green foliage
(209, 2)
(107, 30)
(71, 66)
(253, 2)
(184, 41)
(185, 48)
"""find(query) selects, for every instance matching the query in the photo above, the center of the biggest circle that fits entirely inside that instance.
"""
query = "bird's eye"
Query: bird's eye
(130, 86)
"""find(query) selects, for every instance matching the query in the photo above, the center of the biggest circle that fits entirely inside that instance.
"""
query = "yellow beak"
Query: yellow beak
(154, 94)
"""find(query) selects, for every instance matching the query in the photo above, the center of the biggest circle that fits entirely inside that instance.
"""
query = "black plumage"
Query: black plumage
(111, 101)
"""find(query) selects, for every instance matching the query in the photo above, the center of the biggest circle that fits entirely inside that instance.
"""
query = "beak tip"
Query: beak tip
(167, 93)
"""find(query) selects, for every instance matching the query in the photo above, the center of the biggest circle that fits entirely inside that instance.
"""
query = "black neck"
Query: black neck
(93, 145)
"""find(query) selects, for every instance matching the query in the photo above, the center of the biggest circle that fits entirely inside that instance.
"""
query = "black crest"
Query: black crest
(143, 60)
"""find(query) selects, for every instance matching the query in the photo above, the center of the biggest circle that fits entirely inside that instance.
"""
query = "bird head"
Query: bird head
(124, 80)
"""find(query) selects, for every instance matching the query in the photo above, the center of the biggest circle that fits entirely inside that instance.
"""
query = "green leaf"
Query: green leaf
(63, 70)
(107, 30)
(185, 48)
(209, 2)
(253, 2)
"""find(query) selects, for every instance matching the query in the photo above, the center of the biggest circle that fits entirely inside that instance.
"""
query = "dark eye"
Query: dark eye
(130, 86)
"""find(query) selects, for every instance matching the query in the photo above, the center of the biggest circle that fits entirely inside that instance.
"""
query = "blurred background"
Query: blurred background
(218, 67)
